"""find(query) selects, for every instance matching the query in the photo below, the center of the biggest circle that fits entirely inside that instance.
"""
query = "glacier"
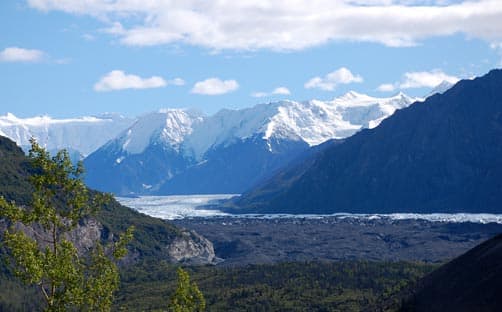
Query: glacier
(195, 206)
(176, 206)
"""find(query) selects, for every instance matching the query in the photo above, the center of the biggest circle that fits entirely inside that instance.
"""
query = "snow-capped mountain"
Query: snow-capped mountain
(143, 156)
(179, 151)
(79, 135)
(441, 88)
(312, 122)
(168, 127)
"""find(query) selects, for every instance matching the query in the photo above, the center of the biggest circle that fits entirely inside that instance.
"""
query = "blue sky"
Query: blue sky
(68, 58)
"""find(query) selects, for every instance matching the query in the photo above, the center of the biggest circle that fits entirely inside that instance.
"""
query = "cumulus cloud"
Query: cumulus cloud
(428, 79)
(279, 25)
(331, 80)
(386, 87)
(276, 91)
(119, 80)
(281, 91)
(16, 54)
(419, 79)
(214, 86)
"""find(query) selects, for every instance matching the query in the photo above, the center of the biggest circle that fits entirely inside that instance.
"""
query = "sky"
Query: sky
(70, 58)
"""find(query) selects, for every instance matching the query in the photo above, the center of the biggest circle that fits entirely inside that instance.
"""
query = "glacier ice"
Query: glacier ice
(186, 206)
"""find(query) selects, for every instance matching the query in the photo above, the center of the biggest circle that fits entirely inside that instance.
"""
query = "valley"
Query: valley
(191, 156)
(241, 241)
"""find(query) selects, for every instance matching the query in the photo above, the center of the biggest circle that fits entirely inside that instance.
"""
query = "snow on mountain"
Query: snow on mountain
(168, 126)
(143, 156)
(226, 126)
(83, 135)
(182, 151)
(441, 88)
(312, 121)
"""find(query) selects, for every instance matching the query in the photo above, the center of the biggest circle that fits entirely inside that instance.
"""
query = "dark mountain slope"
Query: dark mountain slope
(13, 171)
(135, 174)
(442, 155)
(234, 168)
(471, 282)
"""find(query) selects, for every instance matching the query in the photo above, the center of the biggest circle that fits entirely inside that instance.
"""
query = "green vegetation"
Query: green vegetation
(151, 235)
(187, 297)
(38, 244)
(309, 286)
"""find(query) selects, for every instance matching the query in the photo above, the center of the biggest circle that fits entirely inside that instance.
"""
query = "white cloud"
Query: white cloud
(286, 25)
(118, 80)
(419, 79)
(386, 87)
(276, 91)
(426, 79)
(215, 86)
(331, 80)
(281, 91)
(15, 54)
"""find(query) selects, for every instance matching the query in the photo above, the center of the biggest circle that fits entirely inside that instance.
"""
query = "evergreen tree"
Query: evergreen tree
(187, 297)
(37, 238)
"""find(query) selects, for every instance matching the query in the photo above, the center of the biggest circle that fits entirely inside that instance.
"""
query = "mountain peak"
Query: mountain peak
(166, 126)
(400, 94)
(441, 88)
(353, 95)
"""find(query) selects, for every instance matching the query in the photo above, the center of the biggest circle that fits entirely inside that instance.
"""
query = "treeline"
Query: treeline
(305, 286)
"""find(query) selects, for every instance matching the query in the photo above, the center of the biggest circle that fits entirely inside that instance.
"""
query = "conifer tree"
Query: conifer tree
(187, 297)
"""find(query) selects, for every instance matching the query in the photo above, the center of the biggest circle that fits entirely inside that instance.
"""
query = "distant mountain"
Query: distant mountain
(80, 136)
(440, 88)
(471, 282)
(442, 155)
(143, 156)
(183, 152)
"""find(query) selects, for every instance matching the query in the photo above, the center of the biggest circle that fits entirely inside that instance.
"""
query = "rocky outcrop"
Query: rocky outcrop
(192, 248)
(189, 247)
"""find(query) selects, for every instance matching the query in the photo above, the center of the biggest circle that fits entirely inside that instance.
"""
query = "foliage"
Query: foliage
(187, 297)
(151, 235)
(37, 238)
(299, 286)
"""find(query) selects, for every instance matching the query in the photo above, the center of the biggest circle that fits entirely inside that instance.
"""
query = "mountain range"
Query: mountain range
(80, 136)
(176, 151)
(440, 155)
